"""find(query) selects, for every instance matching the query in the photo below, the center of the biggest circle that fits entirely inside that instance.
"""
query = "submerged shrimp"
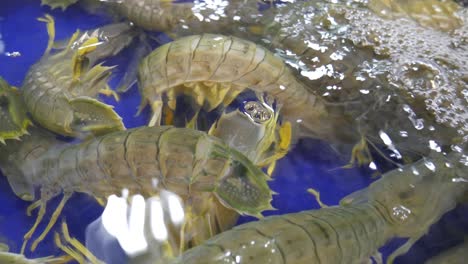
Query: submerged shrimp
(169, 15)
(206, 173)
(257, 139)
(60, 90)
(13, 118)
(429, 13)
(404, 203)
(226, 66)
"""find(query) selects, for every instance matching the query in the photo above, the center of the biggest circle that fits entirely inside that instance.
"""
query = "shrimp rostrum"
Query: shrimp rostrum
(60, 91)
(198, 167)
(404, 203)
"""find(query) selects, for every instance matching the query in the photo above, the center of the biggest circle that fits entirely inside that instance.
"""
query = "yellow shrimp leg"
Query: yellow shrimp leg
(360, 154)
(101, 201)
(192, 123)
(75, 255)
(185, 225)
(49, 20)
(285, 135)
(52, 221)
(78, 245)
(42, 204)
(171, 99)
(156, 117)
(109, 92)
(316, 194)
(40, 215)
(32, 207)
(78, 58)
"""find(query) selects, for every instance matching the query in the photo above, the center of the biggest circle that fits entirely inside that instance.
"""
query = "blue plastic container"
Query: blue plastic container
(310, 164)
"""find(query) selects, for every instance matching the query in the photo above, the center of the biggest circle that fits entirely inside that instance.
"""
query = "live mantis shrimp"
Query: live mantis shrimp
(194, 165)
(404, 203)
(225, 66)
(258, 119)
(60, 90)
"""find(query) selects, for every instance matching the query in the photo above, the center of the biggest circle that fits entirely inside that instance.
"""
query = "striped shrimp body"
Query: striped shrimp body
(329, 235)
(230, 65)
(196, 166)
(404, 203)
(60, 90)
(172, 16)
(13, 118)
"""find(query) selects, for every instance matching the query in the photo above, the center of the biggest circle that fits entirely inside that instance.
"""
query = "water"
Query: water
(310, 164)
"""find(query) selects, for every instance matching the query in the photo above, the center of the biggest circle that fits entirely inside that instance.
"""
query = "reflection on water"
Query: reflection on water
(380, 84)
(2, 45)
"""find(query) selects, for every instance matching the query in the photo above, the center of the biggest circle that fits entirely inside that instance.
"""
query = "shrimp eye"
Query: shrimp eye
(257, 112)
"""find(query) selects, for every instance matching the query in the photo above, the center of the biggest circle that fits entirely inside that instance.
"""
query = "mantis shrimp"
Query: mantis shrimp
(354, 71)
(225, 66)
(404, 203)
(191, 163)
(60, 90)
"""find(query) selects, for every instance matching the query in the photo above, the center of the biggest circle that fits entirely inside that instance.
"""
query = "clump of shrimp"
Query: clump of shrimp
(60, 91)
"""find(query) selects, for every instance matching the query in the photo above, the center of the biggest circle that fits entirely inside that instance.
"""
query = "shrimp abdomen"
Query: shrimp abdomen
(330, 235)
